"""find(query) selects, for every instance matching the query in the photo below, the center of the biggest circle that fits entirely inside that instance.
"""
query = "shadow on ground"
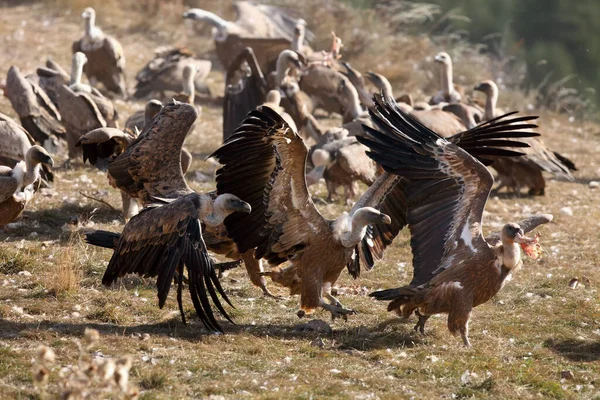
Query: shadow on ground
(575, 349)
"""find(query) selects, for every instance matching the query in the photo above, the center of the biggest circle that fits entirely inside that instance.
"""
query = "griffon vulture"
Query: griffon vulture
(455, 267)
(17, 184)
(106, 58)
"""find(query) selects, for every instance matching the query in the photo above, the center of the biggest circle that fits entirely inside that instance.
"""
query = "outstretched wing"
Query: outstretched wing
(158, 242)
(100, 145)
(485, 142)
(448, 191)
(245, 89)
(264, 164)
(151, 165)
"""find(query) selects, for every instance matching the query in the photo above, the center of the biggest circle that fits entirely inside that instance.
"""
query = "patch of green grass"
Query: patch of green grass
(154, 379)
(12, 262)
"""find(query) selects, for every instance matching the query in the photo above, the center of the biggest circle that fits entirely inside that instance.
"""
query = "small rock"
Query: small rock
(75, 314)
(318, 342)
(24, 273)
(594, 184)
(568, 211)
(567, 374)
(335, 371)
(573, 283)
(315, 325)
(145, 336)
(586, 282)
(76, 307)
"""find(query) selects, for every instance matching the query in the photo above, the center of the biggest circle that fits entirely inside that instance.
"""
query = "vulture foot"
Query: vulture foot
(67, 164)
(338, 311)
(420, 326)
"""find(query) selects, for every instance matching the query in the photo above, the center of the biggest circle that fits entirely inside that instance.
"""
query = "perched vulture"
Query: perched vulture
(167, 235)
(455, 267)
(15, 143)
(526, 171)
(17, 184)
(357, 79)
(83, 108)
(163, 73)
(151, 168)
(140, 118)
(448, 93)
(36, 111)
(267, 29)
(106, 58)
(286, 226)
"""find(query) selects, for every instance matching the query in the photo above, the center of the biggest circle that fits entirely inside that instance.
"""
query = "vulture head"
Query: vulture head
(226, 204)
(88, 13)
(38, 155)
(152, 108)
(370, 216)
(443, 58)
(273, 97)
(512, 233)
(220, 30)
(489, 88)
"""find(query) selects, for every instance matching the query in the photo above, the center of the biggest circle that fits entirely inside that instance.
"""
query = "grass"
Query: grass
(523, 339)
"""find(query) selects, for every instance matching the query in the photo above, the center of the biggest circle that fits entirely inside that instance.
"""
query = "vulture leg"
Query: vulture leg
(130, 206)
(179, 292)
(458, 319)
(420, 326)
(331, 191)
(255, 269)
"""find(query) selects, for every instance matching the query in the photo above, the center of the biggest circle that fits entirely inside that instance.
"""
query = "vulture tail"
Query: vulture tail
(568, 163)
(105, 239)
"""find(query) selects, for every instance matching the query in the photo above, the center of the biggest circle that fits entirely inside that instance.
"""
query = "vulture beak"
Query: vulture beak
(242, 206)
(48, 161)
(190, 14)
(438, 59)
(478, 88)
(521, 238)
(385, 219)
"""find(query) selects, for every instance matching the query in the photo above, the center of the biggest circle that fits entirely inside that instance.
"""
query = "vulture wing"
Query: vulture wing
(448, 189)
(264, 164)
(388, 193)
(158, 242)
(15, 139)
(102, 144)
(151, 165)
(245, 89)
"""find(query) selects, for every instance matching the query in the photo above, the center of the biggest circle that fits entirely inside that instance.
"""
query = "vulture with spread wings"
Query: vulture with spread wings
(455, 267)
(286, 226)
(167, 235)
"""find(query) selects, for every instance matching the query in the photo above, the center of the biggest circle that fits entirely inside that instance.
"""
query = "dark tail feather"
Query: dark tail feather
(105, 239)
(388, 294)
(568, 163)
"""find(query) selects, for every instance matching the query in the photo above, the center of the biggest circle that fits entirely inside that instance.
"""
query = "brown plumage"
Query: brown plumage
(83, 107)
(51, 77)
(36, 111)
(106, 58)
(455, 268)
(167, 234)
(526, 171)
(18, 184)
(163, 73)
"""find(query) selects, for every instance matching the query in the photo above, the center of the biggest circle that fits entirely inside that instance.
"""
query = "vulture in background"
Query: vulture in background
(140, 118)
(83, 107)
(50, 78)
(267, 29)
(37, 113)
(15, 143)
(246, 86)
(526, 171)
(455, 267)
(448, 93)
(167, 234)
(286, 226)
(106, 58)
(17, 184)
(163, 73)
(443, 123)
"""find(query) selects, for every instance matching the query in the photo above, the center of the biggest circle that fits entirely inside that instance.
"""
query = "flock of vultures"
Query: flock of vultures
(425, 164)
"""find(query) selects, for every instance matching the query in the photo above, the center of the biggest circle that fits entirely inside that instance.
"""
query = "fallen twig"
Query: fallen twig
(98, 200)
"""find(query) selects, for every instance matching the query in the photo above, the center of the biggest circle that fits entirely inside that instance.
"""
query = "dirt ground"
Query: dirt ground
(537, 338)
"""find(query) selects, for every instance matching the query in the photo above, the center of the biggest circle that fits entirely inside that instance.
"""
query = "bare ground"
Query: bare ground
(50, 291)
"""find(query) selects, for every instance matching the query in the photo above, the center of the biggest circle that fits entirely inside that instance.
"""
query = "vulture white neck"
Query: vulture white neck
(213, 212)
(352, 103)
(446, 79)
(511, 254)
(188, 84)
(91, 30)
(221, 26)
(76, 71)
(32, 171)
(350, 229)
(298, 41)
(283, 64)
(490, 104)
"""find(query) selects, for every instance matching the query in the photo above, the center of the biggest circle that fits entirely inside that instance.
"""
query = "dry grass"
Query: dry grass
(523, 339)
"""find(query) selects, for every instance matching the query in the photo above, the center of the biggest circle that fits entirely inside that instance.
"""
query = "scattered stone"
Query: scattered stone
(318, 342)
(586, 282)
(567, 374)
(75, 314)
(24, 273)
(76, 307)
(568, 211)
(315, 325)
(594, 184)
(145, 336)
(335, 371)
(573, 283)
